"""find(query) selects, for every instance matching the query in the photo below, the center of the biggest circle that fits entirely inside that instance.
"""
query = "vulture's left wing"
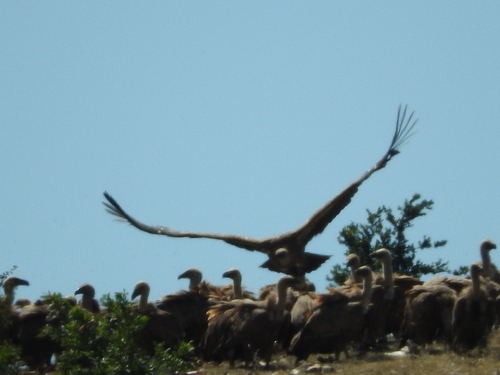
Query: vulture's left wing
(321, 218)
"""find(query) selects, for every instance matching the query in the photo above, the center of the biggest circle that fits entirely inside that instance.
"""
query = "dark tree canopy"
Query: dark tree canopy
(386, 229)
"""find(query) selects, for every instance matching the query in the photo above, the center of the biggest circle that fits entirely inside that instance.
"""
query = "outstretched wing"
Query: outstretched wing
(295, 241)
(244, 242)
(321, 218)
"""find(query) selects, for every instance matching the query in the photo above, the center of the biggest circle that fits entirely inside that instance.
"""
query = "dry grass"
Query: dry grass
(436, 360)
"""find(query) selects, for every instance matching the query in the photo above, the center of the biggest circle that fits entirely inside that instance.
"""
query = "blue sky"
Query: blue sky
(236, 117)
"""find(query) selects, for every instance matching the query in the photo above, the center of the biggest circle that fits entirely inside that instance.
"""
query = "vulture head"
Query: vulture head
(86, 290)
(487, 245)
(194, 275)
(352, 261)
(140, 289)
(233, 274)
(88, 302)
(365, 272)
(10, 284)
(383, 255)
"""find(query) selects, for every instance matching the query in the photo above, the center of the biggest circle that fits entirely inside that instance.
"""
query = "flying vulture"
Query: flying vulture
(286, 251)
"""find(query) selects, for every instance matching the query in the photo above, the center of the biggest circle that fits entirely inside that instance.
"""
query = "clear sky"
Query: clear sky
(241, 118)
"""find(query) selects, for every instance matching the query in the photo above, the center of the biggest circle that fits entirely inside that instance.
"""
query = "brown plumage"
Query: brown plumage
(26, 322)
(335, 322)
(9, 316)
(234, 291)
(161, 327)
(428, 314)
(244, 329)
(88, 302)
(189, 307)
(472, 315)
(36, 350)
(489, 270)
(286, 252)
(390, 303)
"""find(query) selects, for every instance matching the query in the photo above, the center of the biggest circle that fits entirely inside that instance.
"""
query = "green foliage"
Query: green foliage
(105, 343)
(10, 363)
(385, 229)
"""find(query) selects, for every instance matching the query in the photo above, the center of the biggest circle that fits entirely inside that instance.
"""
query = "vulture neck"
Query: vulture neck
(9, 295)
(194, 283)
(366, 294)
(143, 302)
(87, 302)
(237, 290)
(388, 277)
(282, 288)
(357, 278)
(486, 260)
(476, 284)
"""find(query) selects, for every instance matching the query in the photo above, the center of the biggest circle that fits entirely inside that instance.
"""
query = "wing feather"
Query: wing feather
(243, 242)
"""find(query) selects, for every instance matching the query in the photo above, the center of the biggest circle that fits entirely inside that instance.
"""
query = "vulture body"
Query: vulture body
(390, 305)
(335, 322)
(189, 307)
(36, 350)
(26, 321)
(428, 315)
(286, 252)
(244, 329)
(9, 317)
(161, 326)
(472, 315)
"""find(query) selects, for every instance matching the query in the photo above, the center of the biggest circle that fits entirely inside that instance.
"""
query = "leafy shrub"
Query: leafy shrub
(105, 343)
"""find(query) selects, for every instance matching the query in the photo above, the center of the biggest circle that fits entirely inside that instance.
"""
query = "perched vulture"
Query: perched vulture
(286, 251)
(36, 350)
(472, 315)
(88, 302)
(391, 307)
(9, 328)
(161, 327)
(245, 329)
(428, 315)
(489, 270)
(236, 290)
(189, 307)
(335, 322)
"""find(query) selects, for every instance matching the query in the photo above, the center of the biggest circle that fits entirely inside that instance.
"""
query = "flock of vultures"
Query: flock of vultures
(229, 324)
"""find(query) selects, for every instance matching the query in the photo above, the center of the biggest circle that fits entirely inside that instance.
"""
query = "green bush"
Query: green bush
(385, 228)
(105, 343)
